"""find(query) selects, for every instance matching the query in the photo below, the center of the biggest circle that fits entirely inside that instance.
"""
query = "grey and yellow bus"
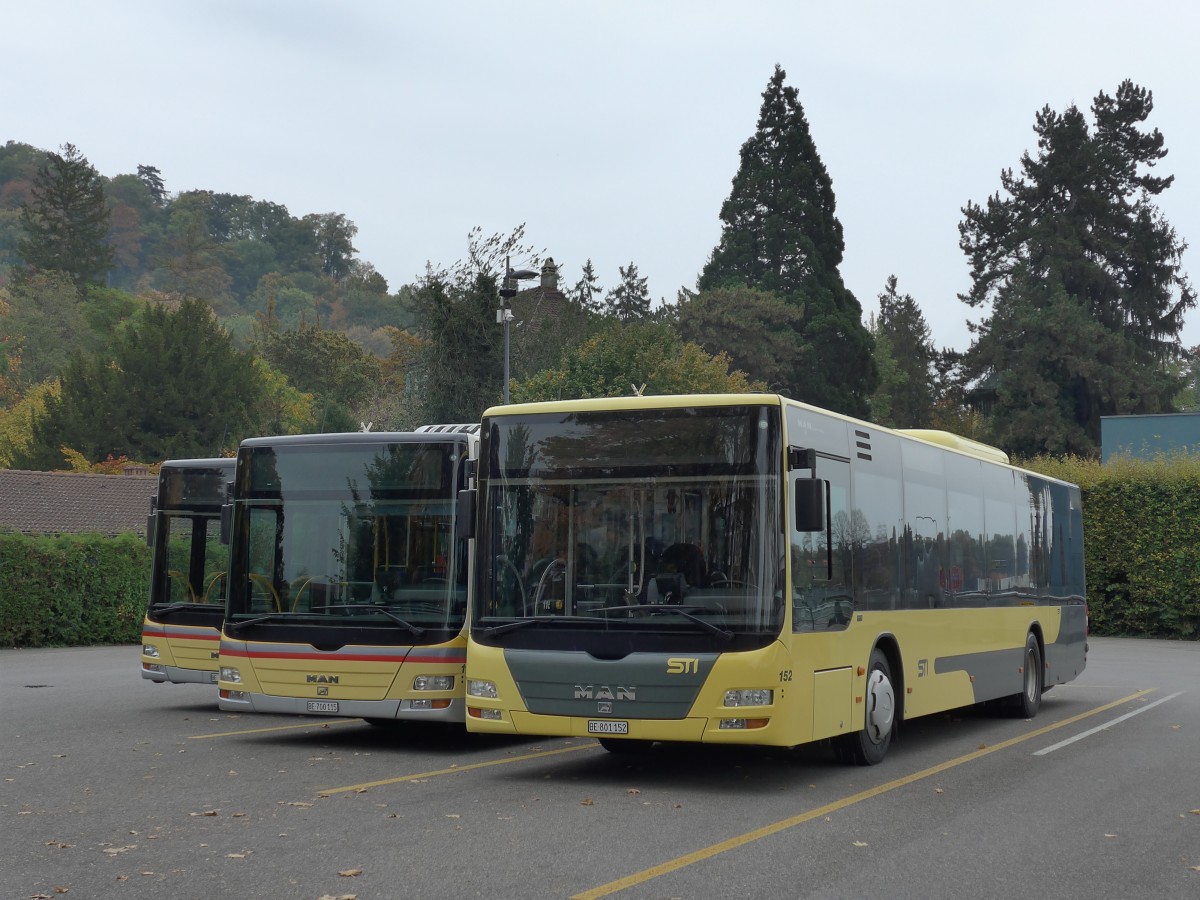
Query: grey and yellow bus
(182, 628)
(746, 569)
(349, 576)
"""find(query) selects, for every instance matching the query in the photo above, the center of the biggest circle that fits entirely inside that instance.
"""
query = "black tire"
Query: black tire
(1026, 704)
(869, 745)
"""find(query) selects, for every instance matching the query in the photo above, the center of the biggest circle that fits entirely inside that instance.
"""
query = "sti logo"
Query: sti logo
(683, 665)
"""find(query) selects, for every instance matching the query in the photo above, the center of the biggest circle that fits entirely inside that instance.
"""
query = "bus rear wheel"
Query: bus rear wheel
(869, 745)
(1026, 704)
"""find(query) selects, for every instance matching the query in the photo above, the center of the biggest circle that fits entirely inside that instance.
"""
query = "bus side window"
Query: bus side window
(821, 595)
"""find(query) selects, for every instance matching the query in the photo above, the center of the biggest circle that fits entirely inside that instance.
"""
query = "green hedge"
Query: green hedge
(1141, 523)
(1141, 520)
(72, 589)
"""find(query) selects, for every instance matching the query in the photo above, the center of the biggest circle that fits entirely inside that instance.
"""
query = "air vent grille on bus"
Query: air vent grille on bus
(466, 428)
(862, 441)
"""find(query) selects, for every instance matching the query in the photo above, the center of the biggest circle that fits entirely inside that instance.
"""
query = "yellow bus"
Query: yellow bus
(746, 569)
(182, 628)
(348, 576)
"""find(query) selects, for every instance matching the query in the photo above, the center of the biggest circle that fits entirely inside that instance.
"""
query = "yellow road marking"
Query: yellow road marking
(767, 830)
(205, 737)
(455, 769)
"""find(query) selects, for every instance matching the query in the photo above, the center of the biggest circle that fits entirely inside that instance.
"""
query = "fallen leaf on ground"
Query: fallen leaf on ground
(350, 873)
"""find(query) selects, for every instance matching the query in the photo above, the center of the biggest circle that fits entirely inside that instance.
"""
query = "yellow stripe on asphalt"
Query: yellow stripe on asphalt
(453, 770)
(767, 830)
(205, 737)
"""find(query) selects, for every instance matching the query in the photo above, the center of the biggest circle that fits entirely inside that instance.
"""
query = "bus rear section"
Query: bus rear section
(181, 631)
(747, 569)
(349, 573)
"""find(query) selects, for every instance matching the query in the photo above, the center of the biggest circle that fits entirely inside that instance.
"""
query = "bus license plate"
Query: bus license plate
(604, 726)
(323, 706)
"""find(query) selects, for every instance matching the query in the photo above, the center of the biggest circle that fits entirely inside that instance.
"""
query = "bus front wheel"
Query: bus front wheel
(869, 745)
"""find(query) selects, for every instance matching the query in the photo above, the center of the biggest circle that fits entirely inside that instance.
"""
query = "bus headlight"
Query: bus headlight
(150, 650)
(478, 688)
(760, 697)
(433, 683)
(230, 674)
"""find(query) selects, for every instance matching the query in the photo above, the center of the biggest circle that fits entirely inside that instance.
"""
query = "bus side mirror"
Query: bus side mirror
(810, 504)
(226, 522)
(464, 514)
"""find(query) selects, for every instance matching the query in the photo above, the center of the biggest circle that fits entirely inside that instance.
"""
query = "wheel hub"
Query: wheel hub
(881, 706)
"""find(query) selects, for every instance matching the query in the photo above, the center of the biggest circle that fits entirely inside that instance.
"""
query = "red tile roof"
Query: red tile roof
(68, 502)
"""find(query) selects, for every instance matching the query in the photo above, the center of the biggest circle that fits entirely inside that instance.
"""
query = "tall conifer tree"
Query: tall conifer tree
(780, 235)
(173, 386)
(1083, 278)
(907, 389)
(629, 301)
(66, 220)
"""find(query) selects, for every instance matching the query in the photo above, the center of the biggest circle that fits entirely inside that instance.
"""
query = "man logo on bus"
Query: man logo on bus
(321, 679)
(604, 692)
(683, 665)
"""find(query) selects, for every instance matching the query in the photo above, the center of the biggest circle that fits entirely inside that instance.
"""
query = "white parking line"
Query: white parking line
(1099, 728)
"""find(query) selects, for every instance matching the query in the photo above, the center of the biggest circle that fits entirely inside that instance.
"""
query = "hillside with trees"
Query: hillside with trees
(140, 322)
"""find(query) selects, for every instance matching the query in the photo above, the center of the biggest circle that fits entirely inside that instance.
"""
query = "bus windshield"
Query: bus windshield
(189, 560)
(348, 534)
(668, 521)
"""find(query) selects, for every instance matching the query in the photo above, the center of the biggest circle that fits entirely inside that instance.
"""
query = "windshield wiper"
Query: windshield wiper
(659, 609)
(723, 633)
(415, 630)
(269, 617)
(529, 620)
(163, 611)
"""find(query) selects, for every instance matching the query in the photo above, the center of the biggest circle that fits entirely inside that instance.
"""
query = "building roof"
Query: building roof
(70, 502)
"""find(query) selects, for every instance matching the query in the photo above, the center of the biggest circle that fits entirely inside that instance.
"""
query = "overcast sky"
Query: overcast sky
(611, 129)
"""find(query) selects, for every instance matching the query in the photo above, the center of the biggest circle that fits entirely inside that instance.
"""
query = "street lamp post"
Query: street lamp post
(504, 314)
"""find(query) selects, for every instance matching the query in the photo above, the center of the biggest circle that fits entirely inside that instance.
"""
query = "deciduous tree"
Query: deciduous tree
(628, 357)
(328, 365)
